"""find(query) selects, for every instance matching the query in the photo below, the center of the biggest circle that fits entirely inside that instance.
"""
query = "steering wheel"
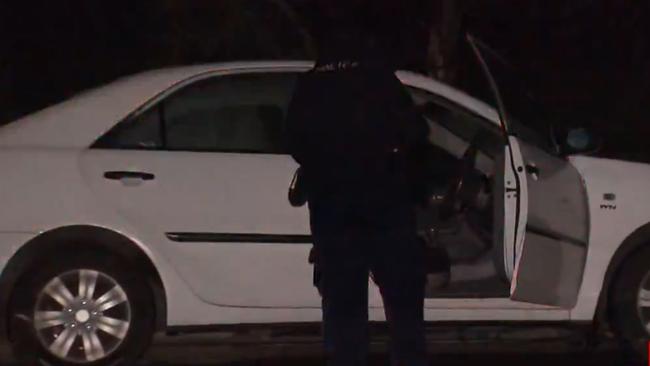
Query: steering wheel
(463, 186)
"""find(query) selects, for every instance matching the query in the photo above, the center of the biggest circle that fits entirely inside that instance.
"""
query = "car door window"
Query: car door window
(235, 113)
(454, 129)
(142, 131)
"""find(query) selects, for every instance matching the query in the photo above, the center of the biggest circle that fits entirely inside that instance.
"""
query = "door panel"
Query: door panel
(509, 209)
(216, 204)
(549, 271)
(249, 274)
(557, 202)
(551, 221)
(516, 204)
(551, 261)
(215, 193)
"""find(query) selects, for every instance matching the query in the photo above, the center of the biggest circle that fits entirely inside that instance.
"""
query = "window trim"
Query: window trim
(162, 121)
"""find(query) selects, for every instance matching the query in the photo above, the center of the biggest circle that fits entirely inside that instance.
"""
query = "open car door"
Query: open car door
(545, 213)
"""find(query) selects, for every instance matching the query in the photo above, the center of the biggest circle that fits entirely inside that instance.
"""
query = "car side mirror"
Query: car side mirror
(581, 141)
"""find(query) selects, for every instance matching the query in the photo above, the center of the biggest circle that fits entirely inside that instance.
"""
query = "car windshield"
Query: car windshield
(525, 116)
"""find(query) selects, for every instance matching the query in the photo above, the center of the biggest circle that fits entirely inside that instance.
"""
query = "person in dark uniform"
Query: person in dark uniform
(355, 132)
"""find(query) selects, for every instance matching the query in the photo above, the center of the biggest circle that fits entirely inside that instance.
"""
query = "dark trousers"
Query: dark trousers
(395, 257)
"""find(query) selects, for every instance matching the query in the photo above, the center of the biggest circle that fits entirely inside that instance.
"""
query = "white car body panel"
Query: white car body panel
(51, 186)
(517, 233)
(609, 228)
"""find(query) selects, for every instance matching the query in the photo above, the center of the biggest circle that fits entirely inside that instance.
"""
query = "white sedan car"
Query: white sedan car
(159, 203)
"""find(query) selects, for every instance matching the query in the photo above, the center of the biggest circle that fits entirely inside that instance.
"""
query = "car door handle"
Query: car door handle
(119, 175)
(532, 169)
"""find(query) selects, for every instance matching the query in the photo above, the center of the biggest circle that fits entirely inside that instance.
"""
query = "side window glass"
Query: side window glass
(190, 118)
(141, 132)
(454, 128)
(236, 113)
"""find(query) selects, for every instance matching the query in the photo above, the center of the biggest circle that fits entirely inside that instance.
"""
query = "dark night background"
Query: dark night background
(586, 60)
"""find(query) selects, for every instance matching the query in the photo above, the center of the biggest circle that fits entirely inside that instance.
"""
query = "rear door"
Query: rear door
(544, 255)
(202, 174)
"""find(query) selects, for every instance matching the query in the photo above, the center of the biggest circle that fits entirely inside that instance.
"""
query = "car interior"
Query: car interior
(458, 222)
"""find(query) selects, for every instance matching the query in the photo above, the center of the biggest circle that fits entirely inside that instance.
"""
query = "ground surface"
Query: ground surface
(210, 350)
(178, 352)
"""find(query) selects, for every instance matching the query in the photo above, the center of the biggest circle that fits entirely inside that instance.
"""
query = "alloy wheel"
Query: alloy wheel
(82, 316)
(643, 302)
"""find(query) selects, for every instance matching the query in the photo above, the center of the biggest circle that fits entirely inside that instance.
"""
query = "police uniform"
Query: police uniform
(353, 129)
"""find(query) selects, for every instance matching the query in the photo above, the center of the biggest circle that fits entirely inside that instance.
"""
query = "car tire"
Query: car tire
(103, 319)
(629, 314)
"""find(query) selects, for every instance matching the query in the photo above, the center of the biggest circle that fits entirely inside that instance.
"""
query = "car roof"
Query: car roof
(80, 120)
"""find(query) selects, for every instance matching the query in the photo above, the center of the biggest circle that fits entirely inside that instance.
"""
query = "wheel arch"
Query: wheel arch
(636, 241)
(72, 238)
